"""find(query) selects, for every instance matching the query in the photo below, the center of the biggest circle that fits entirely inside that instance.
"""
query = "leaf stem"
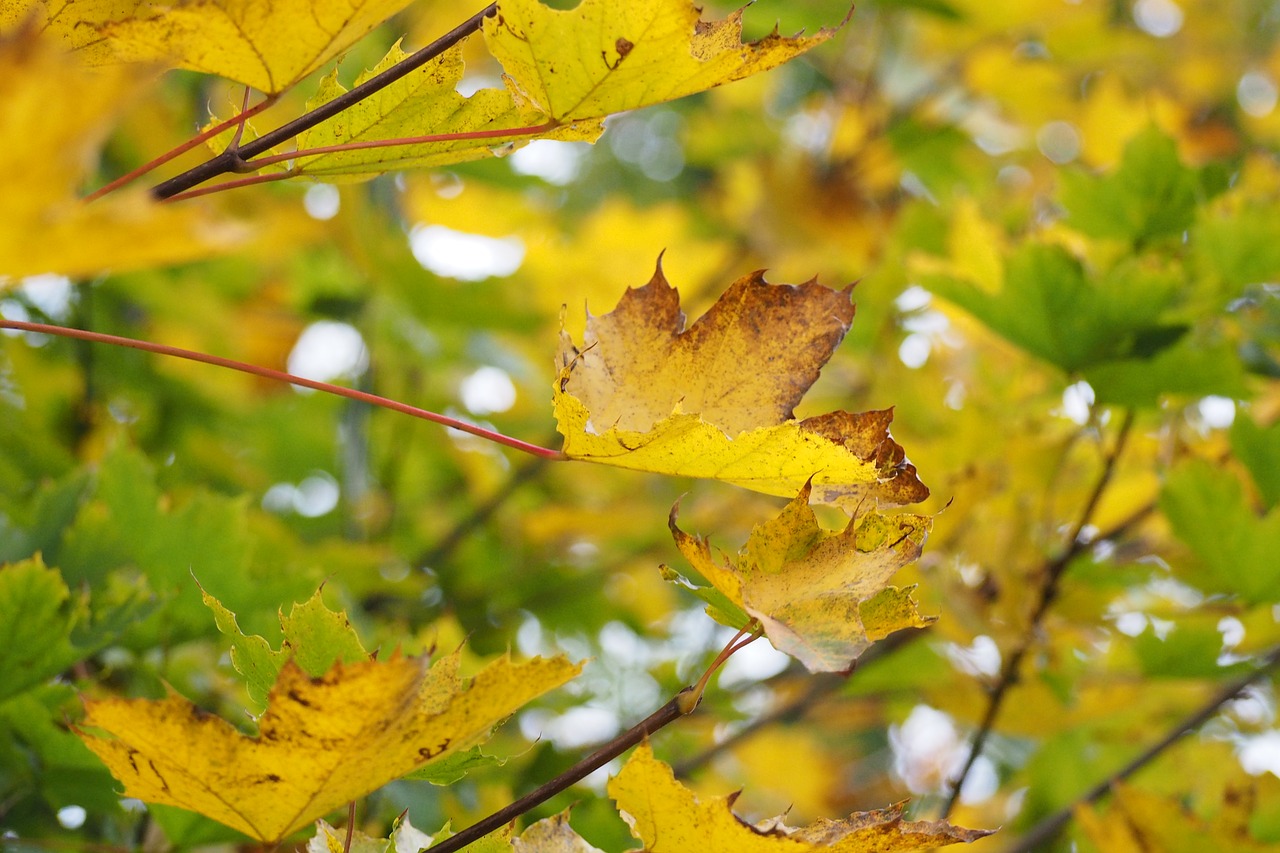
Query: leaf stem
(1044, 831)
(235, 159)
(667, 714)
(231, 185)
(207, 133)
(1049, 588)
(281, 376)
(497, 133)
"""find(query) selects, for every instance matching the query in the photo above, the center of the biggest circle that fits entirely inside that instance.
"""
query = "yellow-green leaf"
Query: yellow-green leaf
(604, 57)
(321, 743)
(822, 597)
(48, 154)
(669, 818)
(424, 102)
(267, 44)
(716, 400)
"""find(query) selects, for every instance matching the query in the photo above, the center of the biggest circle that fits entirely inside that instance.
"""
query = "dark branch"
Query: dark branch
(234, 160)
(1053, 571)
(1045, 830)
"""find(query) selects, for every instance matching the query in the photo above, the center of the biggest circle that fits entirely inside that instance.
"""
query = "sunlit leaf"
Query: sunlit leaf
(552, 835)
(321, 743)
(605, 57)
(424, 102)
(670, 819)
(716, 400)
(242, 39)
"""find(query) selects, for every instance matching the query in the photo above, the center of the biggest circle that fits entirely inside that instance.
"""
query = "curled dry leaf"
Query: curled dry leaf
(321, 743)
(670, 819)
(715, 400)
(822, 597)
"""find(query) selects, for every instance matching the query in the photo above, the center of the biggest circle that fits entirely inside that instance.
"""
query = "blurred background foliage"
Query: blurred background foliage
(1063, 217)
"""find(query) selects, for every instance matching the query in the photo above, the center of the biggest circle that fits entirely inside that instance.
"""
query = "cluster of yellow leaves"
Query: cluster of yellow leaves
(49, 153)
(322, 742)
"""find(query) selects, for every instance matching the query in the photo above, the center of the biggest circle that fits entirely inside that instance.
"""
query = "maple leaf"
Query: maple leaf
(668, 817)
(321, 743)
(423, 102)
(822, 597)
(716, 400)
(240, 39)
(605, 57)
(49, 153)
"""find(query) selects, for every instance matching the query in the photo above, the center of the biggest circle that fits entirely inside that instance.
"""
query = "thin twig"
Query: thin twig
(668, 713)
(1045, 830)
(233, 160)
(230, 185)
(461, 136)
(1049, 588)
(281, 376)
(207, 133)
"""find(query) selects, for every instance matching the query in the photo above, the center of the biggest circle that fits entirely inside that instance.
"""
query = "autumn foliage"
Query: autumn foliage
(238, 613)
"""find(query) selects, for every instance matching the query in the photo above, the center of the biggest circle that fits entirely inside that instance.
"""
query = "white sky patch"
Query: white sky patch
(1059, 141)
(575, 728)
(1217, 412)
(72, 817)
(927, 751)
(50, 293)
(488, 390)
(1257, 94)
(554, 161)
(315, 496)
(1077, 402)
(982, 657)
(1160, 18)
(753, 663)
(326, 351)
(466, 257)
(322, 201)
(1261, 754)
(914, 350)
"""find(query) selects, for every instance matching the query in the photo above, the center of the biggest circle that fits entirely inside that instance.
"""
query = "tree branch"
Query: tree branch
(281, 376)
(1049, 588)
(235, 159)
(668, 713)
(1045, 830)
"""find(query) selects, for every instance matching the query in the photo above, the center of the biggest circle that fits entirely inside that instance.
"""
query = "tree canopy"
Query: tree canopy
(902, 380)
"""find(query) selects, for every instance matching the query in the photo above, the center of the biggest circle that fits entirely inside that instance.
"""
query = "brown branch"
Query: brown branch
(1049, 588)
(668, 713)
(207, 133)
(236, 159)
(281, 376)
(1044, 831)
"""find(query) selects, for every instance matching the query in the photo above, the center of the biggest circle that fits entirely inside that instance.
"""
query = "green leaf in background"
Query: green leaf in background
(1234, 250)
(1259, 449)
(1050, 307)
(1190, 649)
(1186, 369)
(1237, 550)
(314, 636)
(1151, 195)
(37, 614)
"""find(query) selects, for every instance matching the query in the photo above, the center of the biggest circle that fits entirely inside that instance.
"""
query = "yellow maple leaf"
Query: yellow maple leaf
(48, 154)
(321, 743)
(822, 597)
(424, 102)
(670, 819)
(604, 57)
(267, 44)
(716, 400)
